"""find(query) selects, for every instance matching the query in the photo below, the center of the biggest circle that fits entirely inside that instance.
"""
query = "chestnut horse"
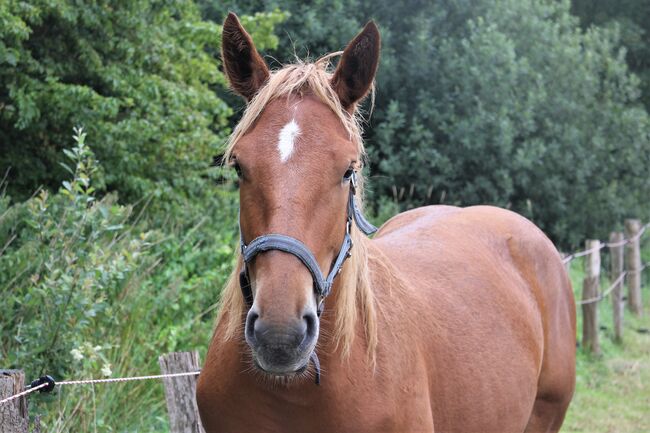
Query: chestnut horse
(448, 320)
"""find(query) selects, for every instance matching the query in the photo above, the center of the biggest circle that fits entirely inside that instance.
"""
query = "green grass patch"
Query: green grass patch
(613, 389)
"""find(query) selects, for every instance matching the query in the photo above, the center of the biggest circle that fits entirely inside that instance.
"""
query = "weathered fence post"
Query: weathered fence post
(590, 291)
(616, 270)
(13, 414)
(633, 266)
(180, 391)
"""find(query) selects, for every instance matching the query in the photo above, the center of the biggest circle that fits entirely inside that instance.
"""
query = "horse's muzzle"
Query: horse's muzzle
(281, 349)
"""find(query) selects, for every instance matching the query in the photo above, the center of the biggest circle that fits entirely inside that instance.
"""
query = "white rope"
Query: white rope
(570, 257)
(617, 244)
(640, 232)
(605, 293)
(93, 381)
(602, 245)
(126, 379)
(25, 392)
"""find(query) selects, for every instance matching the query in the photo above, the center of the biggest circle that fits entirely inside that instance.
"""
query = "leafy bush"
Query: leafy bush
(67, 256)
(142, 75)
(92, 290)
(633, 19)
(505, 102)
(520, 108)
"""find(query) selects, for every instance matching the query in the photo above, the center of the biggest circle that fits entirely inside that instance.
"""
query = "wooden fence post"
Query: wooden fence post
(180, 392)
(616, 270)
(13, 415)
(590, 290)
(633, 266)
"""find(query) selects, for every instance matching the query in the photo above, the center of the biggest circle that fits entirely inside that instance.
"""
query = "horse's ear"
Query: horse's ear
(356, 70)
(244, 67)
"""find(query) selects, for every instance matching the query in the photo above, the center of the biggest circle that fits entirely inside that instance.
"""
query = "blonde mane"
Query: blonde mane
(355, 296)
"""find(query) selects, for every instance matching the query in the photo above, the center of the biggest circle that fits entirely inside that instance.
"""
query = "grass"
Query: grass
(612, 389)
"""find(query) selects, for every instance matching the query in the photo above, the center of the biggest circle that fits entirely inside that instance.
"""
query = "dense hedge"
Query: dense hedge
(90, 289)
(142, 75)
(508, 102)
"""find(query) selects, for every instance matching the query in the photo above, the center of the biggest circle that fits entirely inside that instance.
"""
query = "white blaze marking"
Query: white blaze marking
(286, 139)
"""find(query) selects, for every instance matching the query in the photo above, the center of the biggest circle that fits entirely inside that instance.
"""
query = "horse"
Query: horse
(448, 320)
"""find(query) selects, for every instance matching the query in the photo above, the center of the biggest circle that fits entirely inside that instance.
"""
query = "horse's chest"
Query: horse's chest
(310, 408)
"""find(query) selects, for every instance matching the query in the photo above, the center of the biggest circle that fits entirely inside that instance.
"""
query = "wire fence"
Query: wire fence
(47, 383)
(625, 271)
(602, 296)
(602, 245)
(23, 393)
(51, 383)
(180, 371)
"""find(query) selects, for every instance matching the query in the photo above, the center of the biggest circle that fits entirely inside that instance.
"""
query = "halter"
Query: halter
(322, 284)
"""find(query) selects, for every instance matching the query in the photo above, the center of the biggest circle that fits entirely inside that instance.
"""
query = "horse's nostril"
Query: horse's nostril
(311, 323)
(251, 318)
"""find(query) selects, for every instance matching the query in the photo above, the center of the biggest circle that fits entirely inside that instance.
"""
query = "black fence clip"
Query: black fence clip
(41, 380)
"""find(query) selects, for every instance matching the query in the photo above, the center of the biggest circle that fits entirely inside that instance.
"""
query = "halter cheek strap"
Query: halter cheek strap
(322, 284)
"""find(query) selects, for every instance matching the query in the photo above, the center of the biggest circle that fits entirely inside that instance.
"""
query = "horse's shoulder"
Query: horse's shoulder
(473, 220)
(417, 216)
(452, 234)
(519, 232)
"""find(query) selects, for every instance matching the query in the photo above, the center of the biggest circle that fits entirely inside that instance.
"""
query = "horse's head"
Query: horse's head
(295, 155)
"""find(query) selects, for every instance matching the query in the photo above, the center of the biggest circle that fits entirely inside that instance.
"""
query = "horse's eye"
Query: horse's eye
(237, 169)
(348, 174)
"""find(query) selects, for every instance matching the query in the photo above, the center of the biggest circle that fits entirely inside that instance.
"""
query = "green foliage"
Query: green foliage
(500, 102)
(91, 290)
(66, 255)
(141, 75)
(541, 124)
(632, 17)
